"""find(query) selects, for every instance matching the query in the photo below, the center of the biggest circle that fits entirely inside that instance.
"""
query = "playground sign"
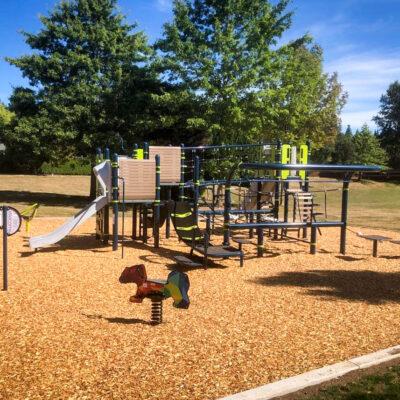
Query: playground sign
(13, 220)
(10, 222)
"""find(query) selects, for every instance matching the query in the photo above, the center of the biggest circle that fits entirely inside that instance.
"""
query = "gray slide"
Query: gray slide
(103, 175)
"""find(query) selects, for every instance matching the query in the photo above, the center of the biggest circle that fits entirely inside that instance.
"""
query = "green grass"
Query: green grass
(385, 386)
(372, 204)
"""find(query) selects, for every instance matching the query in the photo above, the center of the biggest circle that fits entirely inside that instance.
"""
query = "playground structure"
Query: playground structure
(137, 181)
(257, 181)
(176, 286)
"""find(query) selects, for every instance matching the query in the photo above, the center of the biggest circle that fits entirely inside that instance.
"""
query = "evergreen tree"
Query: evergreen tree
(225, 56)
(388, 121)
(344, 152)
(89, 82)
(367, 148)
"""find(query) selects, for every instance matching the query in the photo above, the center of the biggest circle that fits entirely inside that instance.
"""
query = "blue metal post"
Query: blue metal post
(157, 204)
(107, 154)
(278, 159)
(260, 231)
(345, 203)
(114, 183)
(145, 150)
(227, 208)
(196, 188)
(5, 249)
(182, 180)
(307, 182)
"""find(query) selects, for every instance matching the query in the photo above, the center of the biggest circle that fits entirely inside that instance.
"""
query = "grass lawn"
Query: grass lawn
(385, 386)
(372, 204)
(58, 195)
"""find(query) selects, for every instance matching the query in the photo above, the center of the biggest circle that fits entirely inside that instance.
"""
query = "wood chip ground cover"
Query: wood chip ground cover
(68, 330)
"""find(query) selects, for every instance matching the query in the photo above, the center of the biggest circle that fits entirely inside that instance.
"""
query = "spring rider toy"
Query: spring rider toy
(176, 286)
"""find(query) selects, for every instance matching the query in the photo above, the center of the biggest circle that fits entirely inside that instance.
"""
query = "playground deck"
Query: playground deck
(68, 330)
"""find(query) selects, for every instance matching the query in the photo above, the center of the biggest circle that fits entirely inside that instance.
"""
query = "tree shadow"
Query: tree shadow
(118, 320)
(43, 198)
(364, 286)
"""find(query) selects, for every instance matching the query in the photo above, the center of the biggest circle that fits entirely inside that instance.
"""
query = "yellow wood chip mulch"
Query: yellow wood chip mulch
(67, 329)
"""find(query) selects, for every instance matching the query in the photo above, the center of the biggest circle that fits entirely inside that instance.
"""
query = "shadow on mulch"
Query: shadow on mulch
(365, 286)
(167, 253)
(43, 198)
(118, 320)
(350, 258)
(90, 243)
(390, 257)
(73, 242)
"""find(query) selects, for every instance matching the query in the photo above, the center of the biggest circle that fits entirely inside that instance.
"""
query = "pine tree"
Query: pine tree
(388, 121)
(87, 73)
(344, 151)
(367, 148)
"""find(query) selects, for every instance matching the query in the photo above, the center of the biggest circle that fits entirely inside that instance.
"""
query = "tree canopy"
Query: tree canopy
(89, 78)
(221, 73)
(388, 121)
(248, 85)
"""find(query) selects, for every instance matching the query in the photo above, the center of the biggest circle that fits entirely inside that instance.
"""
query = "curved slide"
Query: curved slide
(103, 173)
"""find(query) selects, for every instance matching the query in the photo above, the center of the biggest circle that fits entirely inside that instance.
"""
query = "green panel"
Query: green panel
(139, 154)
(285, 159)
(303, 159)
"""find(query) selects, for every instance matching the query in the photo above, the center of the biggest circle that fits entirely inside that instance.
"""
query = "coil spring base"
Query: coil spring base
(156, 310)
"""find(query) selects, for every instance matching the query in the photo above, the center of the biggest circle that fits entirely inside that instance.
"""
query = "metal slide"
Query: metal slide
(103, 175)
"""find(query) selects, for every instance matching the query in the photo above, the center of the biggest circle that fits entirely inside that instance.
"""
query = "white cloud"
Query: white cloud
(163, 5)
(356, 119)
(365, 76)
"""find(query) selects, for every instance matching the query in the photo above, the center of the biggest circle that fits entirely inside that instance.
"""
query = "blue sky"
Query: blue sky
(360, 39)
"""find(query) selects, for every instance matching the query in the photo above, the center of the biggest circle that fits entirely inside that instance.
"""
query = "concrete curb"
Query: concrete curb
(317, 376)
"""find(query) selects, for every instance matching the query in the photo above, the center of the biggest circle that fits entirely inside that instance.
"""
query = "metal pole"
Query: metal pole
(114, 183)
(123, 216)
(278, 159)
(134, 221)
(260, 231)
(168, 220)
(345, 204)
(307, 182)
(146, 150)
(182, 180)
(106, 235)
(99, 214)
(5, 249)
(227, 208)
(196, 194)
(157, 203)
(313, 243)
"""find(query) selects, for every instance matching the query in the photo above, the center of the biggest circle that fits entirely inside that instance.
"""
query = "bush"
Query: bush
(76, 166)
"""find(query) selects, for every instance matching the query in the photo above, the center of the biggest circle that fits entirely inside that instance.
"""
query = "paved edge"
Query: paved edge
(317, 376)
